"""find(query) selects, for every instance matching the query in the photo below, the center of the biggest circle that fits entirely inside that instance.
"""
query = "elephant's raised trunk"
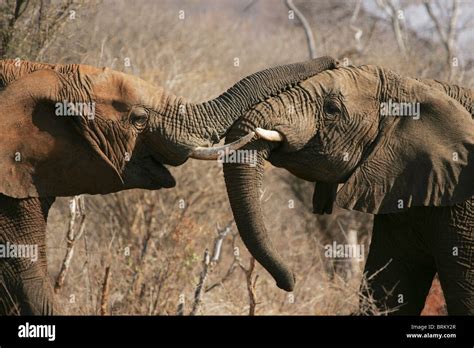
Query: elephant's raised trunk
(257, 87)
(243, 182)
(188, 125)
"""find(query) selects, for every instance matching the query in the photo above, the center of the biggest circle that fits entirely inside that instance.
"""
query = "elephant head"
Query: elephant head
(346, 126)
(71, 129)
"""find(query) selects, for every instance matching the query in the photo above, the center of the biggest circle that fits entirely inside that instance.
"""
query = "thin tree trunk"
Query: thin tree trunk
(306, 27)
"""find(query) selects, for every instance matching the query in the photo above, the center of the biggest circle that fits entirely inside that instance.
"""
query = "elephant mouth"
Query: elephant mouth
(148, 172)
(168, 180)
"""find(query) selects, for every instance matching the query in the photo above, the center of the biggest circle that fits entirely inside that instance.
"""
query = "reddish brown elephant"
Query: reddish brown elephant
(74, 129)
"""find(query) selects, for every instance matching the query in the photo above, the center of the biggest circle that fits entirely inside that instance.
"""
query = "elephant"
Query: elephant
(344, 130)
(70, 129)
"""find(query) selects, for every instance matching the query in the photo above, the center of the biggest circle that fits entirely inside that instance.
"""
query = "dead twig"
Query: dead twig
(226, 277)
(449, 35)
(306, 27)
(78, 218)
(221, 234)
(216, 255)
(104, 301)
(180, 310)
(251, 284)
(250, 278)
(208, 265)
(7, 34)
(394, 14)
(202, 279)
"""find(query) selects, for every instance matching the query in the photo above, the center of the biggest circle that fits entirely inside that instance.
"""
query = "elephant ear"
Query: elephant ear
(428, 161)
(42, 154)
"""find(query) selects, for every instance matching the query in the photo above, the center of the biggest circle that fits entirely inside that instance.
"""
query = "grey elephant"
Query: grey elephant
(120, 134)
(414, 170)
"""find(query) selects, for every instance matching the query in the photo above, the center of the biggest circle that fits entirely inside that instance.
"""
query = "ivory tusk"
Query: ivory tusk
(213, 153)
(269, 135)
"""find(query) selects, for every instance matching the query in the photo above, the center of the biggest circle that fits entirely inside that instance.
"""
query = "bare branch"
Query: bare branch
(306, 27)
(200, 287)
(357, 31)
(448, 36)
(393, 12)
(77, 211)
(251, 284)
(436, 22)
(104, 302)
(452, 24)
(221, 234)
(7, 35)
(180, 310)
(232, 266)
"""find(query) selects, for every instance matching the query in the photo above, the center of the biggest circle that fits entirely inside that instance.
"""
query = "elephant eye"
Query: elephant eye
(139, 118)
(331, 108)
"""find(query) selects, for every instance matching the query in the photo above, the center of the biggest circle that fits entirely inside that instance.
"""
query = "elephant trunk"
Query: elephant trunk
(243, 182)
(255, 88)
(185, 125)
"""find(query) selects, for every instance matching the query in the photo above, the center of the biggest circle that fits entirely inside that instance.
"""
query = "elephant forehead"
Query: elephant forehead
(141, 92)
(108, 84)
(92, 70)
(346, 81)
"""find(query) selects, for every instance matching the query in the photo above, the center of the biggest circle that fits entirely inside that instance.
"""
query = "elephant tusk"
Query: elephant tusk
(269, 135)
(213, 153)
